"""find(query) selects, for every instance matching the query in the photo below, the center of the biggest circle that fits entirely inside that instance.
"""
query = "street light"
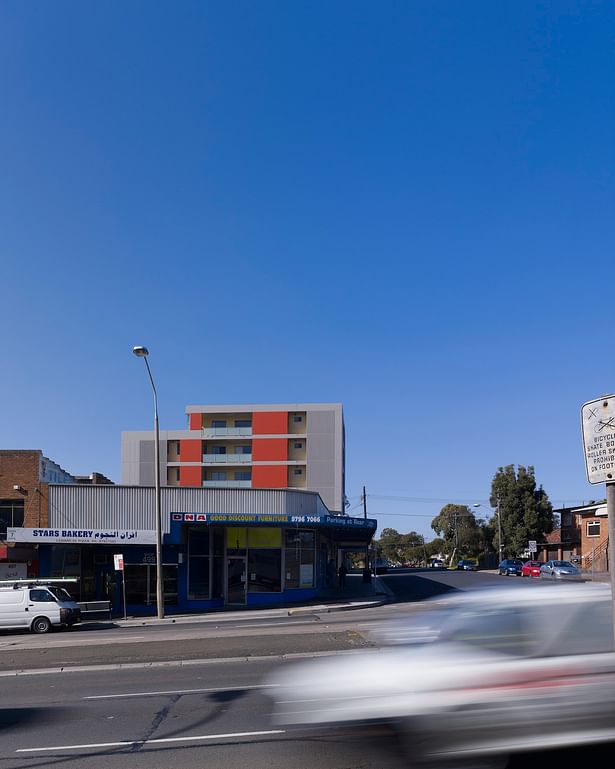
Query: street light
(143, 352)
(497, 512)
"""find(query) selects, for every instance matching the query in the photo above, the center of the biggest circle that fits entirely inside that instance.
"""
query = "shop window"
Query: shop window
(264, 570)
(299, 558)
(140, 582)
(198, 563)
(11, 515)
(236, 540)
(593, 528)
(268, 536)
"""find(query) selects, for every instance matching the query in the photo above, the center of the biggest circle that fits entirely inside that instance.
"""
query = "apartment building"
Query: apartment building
(287, 446)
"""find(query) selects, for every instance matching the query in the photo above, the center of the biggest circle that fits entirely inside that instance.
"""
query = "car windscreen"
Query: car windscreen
(60, 593)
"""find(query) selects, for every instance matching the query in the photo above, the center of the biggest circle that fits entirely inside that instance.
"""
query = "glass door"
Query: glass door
(236, 580)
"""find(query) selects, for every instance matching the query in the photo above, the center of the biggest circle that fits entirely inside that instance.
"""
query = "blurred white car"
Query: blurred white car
(478, 676)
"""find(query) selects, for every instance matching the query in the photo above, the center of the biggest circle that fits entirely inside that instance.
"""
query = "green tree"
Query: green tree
(458, 527)
(525, 512)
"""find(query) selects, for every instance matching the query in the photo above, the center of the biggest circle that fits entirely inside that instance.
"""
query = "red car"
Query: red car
(531, 569)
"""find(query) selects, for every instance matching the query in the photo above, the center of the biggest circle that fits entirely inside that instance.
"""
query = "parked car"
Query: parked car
(510, 566)
(560, 570)
(467, 564)
(479, 675)
(437, 563)
(531, 569)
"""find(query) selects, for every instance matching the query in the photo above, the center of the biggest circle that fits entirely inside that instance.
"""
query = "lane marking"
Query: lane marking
(180, 691)
(130, 743)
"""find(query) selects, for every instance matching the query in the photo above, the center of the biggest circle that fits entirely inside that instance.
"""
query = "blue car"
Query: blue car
(510, 566)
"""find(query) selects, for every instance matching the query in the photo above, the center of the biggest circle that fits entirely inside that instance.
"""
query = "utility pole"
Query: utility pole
(500, 544)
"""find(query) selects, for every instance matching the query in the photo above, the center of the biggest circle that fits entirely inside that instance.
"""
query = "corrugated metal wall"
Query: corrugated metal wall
(132, 507)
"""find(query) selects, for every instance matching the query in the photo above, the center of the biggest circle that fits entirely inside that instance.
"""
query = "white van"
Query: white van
(36, 605)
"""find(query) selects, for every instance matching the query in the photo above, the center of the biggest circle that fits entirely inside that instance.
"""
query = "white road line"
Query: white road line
(178, 691)
(91, 745)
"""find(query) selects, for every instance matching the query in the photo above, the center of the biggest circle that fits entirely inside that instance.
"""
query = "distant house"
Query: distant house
(582, 536)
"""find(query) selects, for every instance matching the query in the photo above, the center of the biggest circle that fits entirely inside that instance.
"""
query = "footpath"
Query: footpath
(354, 594)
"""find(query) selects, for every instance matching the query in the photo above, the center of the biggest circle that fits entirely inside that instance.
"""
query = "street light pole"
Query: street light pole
(143, 352)
(497, 512)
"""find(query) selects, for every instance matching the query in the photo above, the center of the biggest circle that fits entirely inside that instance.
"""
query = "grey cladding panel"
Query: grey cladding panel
(320, 448)
(146, 464)
(321, 422)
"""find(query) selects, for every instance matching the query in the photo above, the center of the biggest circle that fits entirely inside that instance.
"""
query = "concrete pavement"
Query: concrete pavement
(355, 594)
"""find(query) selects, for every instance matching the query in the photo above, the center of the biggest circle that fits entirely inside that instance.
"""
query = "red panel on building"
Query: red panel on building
(270, 423)
(190, 451)
(195, 421)
(266, 449)
(190, 476)
(269, 477)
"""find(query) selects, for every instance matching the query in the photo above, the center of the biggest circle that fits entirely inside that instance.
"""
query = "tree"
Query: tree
(459, 528)
(525, 512)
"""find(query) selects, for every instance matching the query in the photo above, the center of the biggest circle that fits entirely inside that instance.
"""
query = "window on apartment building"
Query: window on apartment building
(593, 528)
(244, 450)
(243, 423)
(298, 471)
(11, 515)
(298, 445)
(297, 418)
(218, 450)
(218, 422)
(218, 476)
(243, 475)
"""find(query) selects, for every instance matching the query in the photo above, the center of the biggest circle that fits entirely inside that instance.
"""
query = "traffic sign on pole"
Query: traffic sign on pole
(598, 428)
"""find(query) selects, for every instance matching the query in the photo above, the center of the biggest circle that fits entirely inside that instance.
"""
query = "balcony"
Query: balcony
(227, 459)
(224, 432)
(227, 484)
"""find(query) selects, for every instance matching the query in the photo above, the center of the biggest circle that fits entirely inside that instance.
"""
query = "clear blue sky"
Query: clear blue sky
(405, 207)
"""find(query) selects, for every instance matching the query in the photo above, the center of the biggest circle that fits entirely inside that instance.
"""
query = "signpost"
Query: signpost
(598, 429)
(118, 562)
(532, 546)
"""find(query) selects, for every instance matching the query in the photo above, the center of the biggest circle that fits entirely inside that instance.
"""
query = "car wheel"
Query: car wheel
(41, 625)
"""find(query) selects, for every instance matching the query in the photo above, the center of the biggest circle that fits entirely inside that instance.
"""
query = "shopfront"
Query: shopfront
(209, 559)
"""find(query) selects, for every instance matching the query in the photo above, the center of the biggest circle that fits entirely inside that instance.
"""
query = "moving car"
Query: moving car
(510, 566)
(560, 570)
(467, 564)
(531, 569)
(478, 676)
(437, 563)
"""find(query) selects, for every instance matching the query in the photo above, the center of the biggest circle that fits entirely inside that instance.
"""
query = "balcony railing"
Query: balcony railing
(222, 432)
(227, 484)
(233, 459)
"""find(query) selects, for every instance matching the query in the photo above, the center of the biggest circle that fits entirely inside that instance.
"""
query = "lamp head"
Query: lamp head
(140, 352)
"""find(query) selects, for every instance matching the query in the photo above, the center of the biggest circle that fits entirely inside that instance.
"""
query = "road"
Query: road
(188, 694)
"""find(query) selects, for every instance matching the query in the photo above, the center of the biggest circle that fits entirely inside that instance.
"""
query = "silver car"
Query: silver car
(560, 570)
(475, 678)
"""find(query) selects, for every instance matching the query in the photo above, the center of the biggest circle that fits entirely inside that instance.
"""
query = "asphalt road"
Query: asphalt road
(189, 694)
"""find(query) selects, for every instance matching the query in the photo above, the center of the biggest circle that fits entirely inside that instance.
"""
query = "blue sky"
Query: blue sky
(405, 207)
